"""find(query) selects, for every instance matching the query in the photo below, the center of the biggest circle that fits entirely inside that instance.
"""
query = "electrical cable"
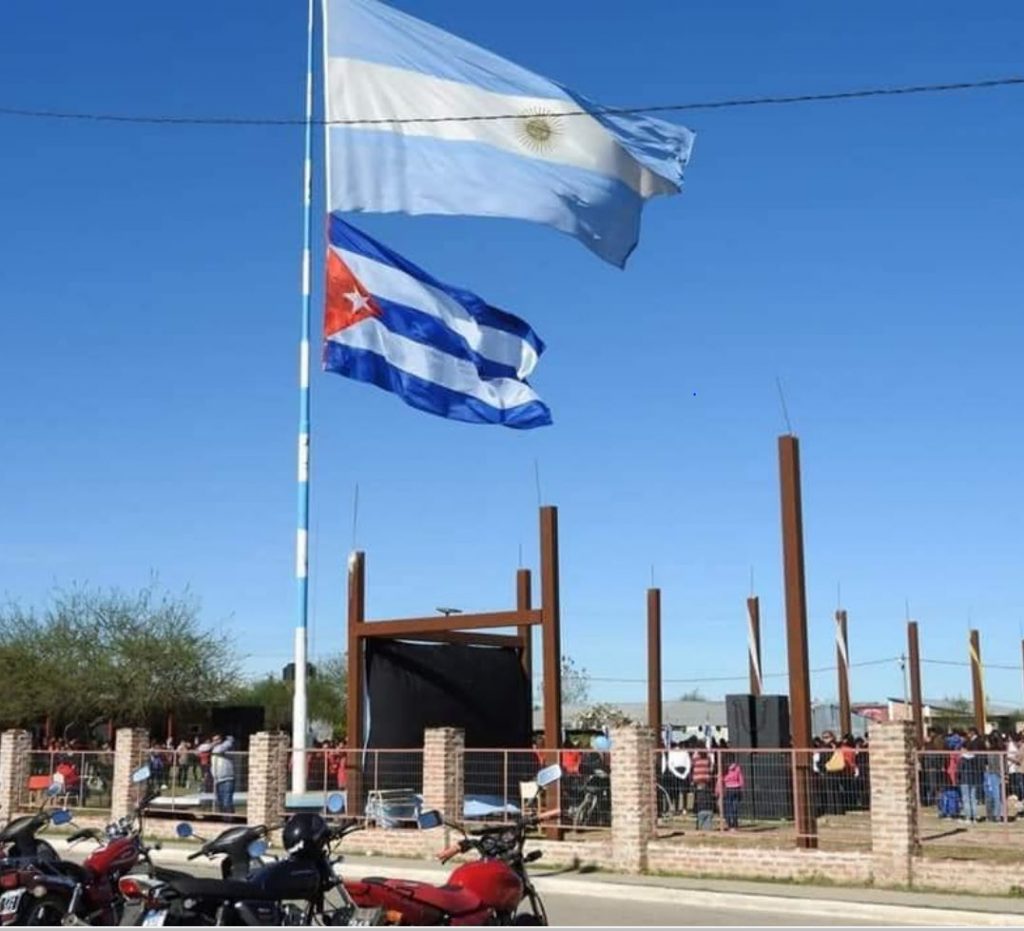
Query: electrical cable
(770, 100)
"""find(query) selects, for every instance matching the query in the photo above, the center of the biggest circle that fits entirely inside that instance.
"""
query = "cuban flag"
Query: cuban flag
(440, 348)
(586, 173)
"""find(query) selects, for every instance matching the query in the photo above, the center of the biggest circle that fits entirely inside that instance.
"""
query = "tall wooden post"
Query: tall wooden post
(843, 662)
(1022, 655)
(551, 626)
(796, 638)
(524, 601)
(916, 703)
(654, 662)
(754, 645)
(977, 682)
(356, 673)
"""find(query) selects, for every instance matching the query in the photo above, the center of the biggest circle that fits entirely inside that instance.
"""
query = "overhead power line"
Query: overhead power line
(165, 120)
(743, 678)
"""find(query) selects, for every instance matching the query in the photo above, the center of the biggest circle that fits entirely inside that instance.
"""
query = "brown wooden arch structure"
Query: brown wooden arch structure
(468, 629)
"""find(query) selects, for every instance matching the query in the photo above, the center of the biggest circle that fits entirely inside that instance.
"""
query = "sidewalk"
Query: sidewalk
(828, 902)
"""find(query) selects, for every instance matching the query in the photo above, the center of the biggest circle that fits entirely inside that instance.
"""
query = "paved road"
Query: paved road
(597, 903)
(581, 909)
(587, 910)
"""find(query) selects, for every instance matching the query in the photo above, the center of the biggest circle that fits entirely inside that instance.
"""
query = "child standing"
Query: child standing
(733, 783)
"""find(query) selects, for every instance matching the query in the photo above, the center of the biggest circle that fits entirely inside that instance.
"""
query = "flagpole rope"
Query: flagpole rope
(772, 100)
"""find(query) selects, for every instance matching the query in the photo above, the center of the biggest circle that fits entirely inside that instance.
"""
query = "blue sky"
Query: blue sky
(867, 253)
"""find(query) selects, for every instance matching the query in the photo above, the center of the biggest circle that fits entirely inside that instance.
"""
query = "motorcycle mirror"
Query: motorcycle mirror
(335, 803)
(53, 789)
(183, 830)
(429, 819)
(62, 816)
(256, 849)
(141, 774)
(548, 775)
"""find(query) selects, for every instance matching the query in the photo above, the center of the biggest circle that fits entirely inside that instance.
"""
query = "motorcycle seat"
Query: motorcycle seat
(224, 889)
(452, 900)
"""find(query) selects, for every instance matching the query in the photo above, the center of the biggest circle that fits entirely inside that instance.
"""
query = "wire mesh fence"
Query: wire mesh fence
(384, 787)
(201, 782)
(500, 784)
(970, 804)
(699, 793)
(84, 778)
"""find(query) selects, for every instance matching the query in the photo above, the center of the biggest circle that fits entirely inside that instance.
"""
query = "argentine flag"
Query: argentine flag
(587, 175)
(440, 348)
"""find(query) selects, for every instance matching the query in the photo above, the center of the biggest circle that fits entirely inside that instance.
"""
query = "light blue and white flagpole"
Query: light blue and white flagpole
(299, 709)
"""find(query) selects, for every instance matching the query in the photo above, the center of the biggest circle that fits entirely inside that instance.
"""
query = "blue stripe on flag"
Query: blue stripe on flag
(373, 31)
(602, 212)
(363, 365)
(427, 329)
(345, 236)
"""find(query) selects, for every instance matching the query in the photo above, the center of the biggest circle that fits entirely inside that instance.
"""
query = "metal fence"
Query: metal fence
(500, 784)
(700, 792)
(198, 782)
(383, 786)
(970, 804)
(85, 778)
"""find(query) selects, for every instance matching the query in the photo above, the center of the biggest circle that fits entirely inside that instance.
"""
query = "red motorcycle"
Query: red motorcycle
(65, 892)
(487, 891)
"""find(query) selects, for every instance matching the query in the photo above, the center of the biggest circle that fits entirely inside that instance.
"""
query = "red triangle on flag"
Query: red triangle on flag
(347, 301)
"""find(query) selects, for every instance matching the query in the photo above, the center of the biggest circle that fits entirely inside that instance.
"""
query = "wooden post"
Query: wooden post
(754, 645)
(977, 682)
(796, 637)
(551, 626)
(551, 620)
(916, 703)
(356, 672)
(843, 662)
(524, 602)
(654, 662)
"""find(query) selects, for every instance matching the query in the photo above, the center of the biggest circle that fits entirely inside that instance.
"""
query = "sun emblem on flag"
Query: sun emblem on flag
(539, 131)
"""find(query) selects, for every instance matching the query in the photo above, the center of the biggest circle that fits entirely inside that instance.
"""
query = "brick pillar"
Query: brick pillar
(893, 773)
(268, 776)
(443, 749)
(632, 796)
(14, 765)
(130, 745)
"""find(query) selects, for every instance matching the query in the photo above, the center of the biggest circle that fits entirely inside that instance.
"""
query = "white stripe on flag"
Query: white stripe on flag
(393, 284)
(434, 366)
(363, 90)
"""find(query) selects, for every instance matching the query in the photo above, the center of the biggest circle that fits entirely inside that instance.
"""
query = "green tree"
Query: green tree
(693, 695)
(575, 683)
(326, 693)
(602, 715)
(110, 654)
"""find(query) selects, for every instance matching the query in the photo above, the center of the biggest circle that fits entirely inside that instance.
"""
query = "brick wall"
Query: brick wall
(14, 766)
(977, 876)
(894, 837)
(268, 777)
(757, 863)
(632, 773)
(129, 754)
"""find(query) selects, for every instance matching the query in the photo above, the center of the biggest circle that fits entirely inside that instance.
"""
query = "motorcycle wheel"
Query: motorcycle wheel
(532, 920)
(583, 811)
(48, 911)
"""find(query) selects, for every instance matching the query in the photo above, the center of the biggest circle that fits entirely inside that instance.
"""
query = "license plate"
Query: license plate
(154, 919)
(9, 901)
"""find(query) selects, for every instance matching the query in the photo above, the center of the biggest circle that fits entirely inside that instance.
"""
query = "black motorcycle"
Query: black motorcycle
(289, 891)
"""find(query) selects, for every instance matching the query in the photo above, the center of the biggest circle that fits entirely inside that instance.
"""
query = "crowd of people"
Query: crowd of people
(205, 764)
(705, 777)
(972, 776)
